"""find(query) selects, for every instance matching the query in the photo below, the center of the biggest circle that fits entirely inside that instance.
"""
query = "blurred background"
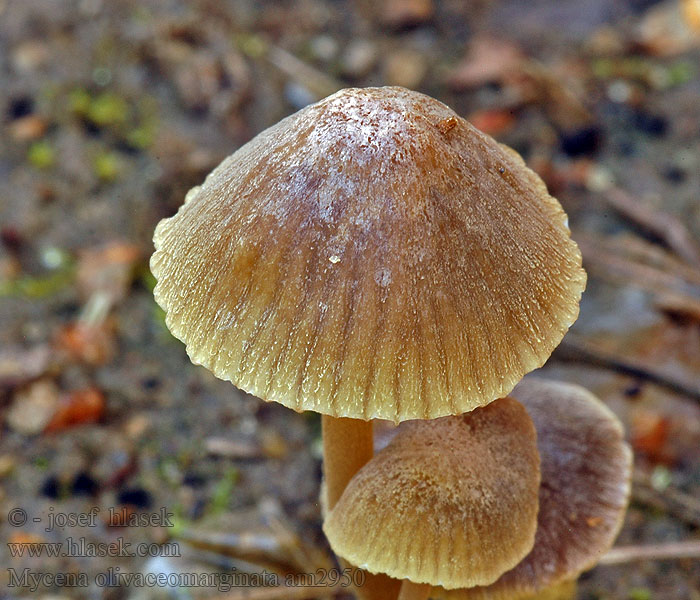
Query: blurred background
(111, 110)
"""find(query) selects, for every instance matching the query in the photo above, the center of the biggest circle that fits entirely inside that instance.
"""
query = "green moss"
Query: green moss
(79, 101)
(41, 463)
(146, 277)
(640, 593)
(41, 154)
(141, 14)
(159, 315)
(656, 74)
(222, 492)
(61, 275)
(107, 166)
(179, 523)
(251, 45)
(141, 137)
(682, 72)
(37, 287)
(603, 68)
(108, 109)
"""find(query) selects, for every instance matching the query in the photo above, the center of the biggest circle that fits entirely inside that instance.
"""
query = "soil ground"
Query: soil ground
(111, 111)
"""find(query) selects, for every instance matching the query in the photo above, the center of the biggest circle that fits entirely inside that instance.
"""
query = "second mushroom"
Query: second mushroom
(448, 505)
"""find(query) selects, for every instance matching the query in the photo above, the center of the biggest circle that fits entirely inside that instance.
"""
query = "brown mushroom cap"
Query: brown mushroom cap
(371, 256)
(449, 502)
(586, 471)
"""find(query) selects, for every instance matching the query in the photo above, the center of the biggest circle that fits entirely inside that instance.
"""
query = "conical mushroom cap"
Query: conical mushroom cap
(586, 471)
(371, 256)
(449, 502)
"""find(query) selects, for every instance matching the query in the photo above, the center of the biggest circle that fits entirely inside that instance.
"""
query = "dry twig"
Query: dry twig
(663, 225)
(575, 348)
(673, 284)
(315, 81)
(632, 261)
(671, 500)
(670, 551)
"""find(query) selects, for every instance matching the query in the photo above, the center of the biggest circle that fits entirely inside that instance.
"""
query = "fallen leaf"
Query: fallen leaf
(32, 408)
(77, 408)
(92, 344)
(406, 13)
(691, 13)
(489, 60)
(107, 269)
(492, 121)
(28, 128)
(649, 435)
(21, 537)
(19, 365)
(670, 28)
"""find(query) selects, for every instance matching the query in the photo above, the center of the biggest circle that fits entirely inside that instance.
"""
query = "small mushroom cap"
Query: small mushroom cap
(371, 256)
(449, 502)
(586, 473)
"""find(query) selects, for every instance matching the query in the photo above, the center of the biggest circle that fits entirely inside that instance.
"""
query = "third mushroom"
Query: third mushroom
(448, 502)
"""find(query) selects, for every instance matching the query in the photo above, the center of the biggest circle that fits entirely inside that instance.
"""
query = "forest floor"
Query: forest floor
(111, 111)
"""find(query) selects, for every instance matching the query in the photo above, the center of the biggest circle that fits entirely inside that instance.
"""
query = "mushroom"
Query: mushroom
(586, 473)
(371, 256)
(450, 502)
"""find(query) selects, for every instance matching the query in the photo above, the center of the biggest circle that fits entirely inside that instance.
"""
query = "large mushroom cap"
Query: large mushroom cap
(371, 256)
(586, 470)
(449, 502)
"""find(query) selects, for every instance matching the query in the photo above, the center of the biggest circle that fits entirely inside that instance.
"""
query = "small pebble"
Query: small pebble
(580, 142)
(298, 95)
(324, 48)
(653, 125)
(20, 107)
(406, 13)
(7, 465)
(28, 128)
(359, 58)
(599, 179)
(406, 68)
(137, 426)
(84, 485)
(136, 497)
(674, 174)
(273, 444)
(51, 487)
(194, 480)
(33, 408)
(30, 56)
(619, 91)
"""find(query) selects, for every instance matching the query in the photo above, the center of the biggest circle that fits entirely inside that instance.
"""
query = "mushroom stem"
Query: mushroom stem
(347, 446)
(414, 591)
